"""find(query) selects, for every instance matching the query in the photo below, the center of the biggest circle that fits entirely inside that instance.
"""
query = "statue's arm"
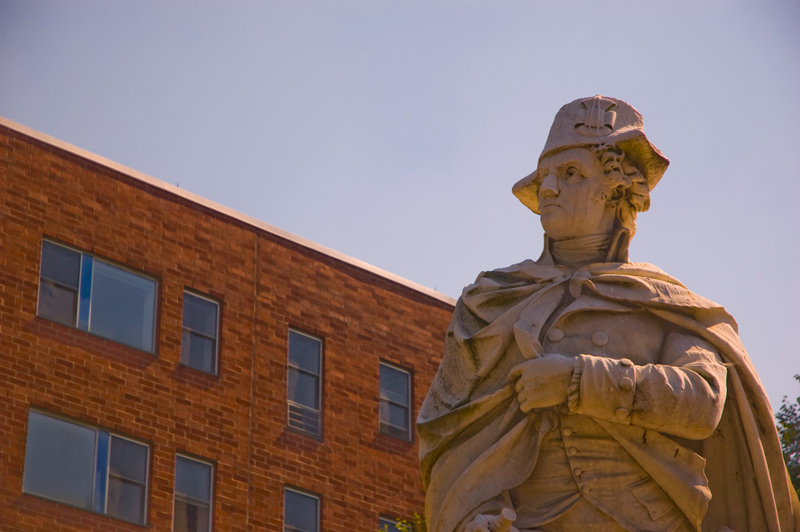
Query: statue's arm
(683, 394)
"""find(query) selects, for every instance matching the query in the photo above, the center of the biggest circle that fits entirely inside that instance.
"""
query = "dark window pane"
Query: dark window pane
(397, 415)
(125, 500)
(301, 511)
(60, 264)
(84, 297)
(200, 315)
(58, 303)
(394, 420)
(123, 306)
(303, 388)
(304, 352)
(394, 385)
(190, 517)
(128, 459)
(193, 479)
(59, 460)
(388, 525)
(101, 471)
(198, 352)
(395, 432)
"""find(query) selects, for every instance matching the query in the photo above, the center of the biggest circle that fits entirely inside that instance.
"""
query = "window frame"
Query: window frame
(320, 388)
(409, 407)
(186, 498)
(304, 493)
(83, 304)
(100, 479)
(218, 329)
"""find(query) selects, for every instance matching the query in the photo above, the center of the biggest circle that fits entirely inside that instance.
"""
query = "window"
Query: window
(82, 291)
(387, 525)
(304, 391)
(300, 511)
(192, 495)
(85, 467)
(395, 404)
(200, 329)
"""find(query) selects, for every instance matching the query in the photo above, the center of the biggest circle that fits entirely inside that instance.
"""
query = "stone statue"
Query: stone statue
(584, 392)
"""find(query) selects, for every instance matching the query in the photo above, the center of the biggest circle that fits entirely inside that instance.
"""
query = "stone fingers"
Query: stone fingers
(504, 521)
(479, 524)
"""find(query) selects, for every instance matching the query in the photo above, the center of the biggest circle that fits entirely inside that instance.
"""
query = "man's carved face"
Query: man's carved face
(573, 196)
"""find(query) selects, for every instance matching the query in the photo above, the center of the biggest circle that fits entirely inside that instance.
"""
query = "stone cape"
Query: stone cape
(475, 443)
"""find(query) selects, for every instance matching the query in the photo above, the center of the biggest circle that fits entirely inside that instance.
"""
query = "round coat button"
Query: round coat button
(621, 413)
(626, 362)
(567, 432)
(577, 471)
(626, 383)
(555, 335)
(599, 338)
(572, 451)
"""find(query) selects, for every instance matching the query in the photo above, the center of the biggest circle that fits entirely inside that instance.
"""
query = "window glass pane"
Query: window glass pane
(388, 525)
(395, 415)
(84, 299)
(60, 264)
(123, 306)
(394, 384)
(128, 459)
(301, 511)
(200, 314)
(125, 500)
(59, 460)
(190, 517)
(198, 352)
(303, 388)
(304, 352)
(101, 471)
(395, 432)
(57, 303)
(192, 479)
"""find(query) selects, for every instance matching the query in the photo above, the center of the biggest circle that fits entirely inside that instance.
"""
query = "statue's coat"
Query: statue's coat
(475, 443)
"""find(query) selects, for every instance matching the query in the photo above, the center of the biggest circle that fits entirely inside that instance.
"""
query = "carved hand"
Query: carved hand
(542, 382)
(493, 523)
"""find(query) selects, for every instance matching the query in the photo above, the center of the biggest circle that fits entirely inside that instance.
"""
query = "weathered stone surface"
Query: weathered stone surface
(582, 391)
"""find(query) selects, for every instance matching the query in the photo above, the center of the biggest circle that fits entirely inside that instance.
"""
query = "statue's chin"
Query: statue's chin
(558, 231)
(553, 224)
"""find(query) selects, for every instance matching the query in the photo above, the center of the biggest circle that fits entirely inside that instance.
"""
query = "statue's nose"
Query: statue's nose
(549, 186)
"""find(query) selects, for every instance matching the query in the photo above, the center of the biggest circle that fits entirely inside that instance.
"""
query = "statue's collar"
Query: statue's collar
(617, 248)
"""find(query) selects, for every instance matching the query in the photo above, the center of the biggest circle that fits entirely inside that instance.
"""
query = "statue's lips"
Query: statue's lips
(545, 204)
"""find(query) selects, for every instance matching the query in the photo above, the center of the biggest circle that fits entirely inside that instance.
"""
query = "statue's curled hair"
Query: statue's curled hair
(628, 187)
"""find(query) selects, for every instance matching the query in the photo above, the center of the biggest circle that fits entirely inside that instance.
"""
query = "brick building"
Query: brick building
(167, 363)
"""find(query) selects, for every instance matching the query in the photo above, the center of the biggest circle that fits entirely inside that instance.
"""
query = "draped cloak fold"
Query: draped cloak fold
(475, 443)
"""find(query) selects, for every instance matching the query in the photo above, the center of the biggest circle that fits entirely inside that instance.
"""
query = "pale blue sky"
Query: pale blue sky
(392, 131)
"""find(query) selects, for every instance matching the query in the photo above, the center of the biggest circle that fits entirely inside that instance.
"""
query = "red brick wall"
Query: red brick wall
(236, 420)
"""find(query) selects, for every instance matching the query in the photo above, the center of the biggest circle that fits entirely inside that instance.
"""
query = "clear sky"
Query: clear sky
(392, 131)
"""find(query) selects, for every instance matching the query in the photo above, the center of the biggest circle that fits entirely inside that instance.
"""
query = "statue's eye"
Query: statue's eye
(572, 173)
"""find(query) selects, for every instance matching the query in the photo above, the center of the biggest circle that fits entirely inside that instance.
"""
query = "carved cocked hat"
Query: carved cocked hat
(594, 122)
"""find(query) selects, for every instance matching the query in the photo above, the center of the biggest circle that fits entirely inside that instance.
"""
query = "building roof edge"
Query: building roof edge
(249, 220)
